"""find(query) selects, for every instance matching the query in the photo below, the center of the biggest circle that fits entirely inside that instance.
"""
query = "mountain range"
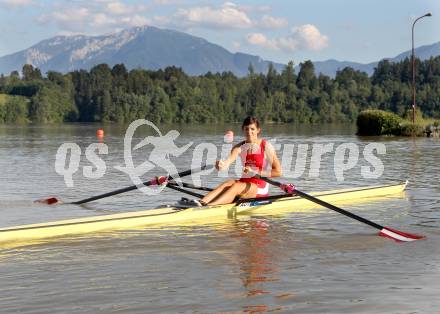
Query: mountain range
(154, 48)
(329, 67)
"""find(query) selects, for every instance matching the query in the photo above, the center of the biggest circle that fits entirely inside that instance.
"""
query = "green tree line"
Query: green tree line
(114, 94)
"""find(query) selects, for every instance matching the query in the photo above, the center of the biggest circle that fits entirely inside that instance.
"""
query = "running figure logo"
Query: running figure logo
(163, 148)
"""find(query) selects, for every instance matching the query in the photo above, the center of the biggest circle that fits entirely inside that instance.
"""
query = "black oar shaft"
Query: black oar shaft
(192, 186)
(338, 209)
(133, 187)
(325, 204)
(97, 197)
(177, 188)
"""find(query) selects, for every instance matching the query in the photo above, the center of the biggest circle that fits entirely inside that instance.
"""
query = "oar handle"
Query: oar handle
(146, 183)
(322, 203)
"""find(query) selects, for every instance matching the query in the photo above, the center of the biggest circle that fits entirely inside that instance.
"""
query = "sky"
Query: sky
(280, 31)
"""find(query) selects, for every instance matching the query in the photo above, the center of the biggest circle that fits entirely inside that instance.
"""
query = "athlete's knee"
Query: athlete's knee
(238, 186)
(228, 183)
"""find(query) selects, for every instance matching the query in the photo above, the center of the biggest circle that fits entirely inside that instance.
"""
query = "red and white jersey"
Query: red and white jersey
(254, 158)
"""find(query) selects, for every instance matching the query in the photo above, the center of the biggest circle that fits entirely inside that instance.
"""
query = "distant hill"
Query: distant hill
(144, 47)
(154, 48)
(422, 52)
(329, 67)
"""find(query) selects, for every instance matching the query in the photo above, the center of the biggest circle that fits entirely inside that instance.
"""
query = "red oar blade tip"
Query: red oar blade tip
(49, 201)
(399, 236)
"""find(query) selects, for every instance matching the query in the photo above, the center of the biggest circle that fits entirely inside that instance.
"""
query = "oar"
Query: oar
(387, 232)
(155, 181)
(191, 186)
(177, 188)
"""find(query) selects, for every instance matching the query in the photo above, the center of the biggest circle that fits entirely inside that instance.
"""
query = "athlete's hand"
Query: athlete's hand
(288, 188)
(251, 171)
(247, 170)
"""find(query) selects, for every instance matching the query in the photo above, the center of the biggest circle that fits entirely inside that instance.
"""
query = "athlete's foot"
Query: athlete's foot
(184, 202)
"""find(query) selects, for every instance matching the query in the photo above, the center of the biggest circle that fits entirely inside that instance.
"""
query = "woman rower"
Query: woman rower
(257, 155)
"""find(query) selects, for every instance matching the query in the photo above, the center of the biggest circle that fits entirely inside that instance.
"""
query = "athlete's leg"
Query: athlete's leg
(242, 189)
(218, 190)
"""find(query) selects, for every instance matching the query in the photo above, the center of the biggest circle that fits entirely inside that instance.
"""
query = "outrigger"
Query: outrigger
(289, 201)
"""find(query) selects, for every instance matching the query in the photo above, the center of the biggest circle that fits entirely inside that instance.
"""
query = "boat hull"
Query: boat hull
(171, 216)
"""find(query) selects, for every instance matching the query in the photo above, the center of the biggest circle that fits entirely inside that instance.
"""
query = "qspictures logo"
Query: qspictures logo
(163, 149)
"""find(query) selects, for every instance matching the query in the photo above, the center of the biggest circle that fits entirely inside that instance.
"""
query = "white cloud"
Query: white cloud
(268, 21)
(161, 20)
(254, 8)
(15, 3)
(259, 39)
(228, 15)
(69, 33)
(236, 44)
(304, 37)
(169, 2)
(101, 19)
(118, 8)
(136, 20)
(309, 37)
(67, 19)
(95, 16)
(263, 8)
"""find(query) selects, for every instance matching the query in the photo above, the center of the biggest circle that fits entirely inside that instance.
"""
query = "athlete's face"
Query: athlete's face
(251, 132)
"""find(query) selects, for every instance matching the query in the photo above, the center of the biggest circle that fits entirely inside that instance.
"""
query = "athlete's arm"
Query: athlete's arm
(273, 168)
(276, 170)
(224, 164)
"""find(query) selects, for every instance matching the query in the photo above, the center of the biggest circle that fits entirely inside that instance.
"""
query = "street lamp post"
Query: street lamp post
(414, 70)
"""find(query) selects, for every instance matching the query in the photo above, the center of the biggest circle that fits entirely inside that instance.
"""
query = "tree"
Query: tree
(30, 73)
(101, 82)
(288, 76)
(52, 105)
(15, 110)
(161, 110)
(382, 73)
(169, 95)
(256, 95)
(272, 81)
(306, 75)
(120, 79)
(251, 70)
(83, 95)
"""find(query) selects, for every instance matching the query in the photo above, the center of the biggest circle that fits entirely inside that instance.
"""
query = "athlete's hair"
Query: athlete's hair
(250, 120)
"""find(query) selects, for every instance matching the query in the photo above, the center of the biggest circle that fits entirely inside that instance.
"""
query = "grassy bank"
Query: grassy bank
(379, 122)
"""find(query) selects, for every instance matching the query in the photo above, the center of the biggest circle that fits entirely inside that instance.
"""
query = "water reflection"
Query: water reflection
(258, 263)
(260, 252)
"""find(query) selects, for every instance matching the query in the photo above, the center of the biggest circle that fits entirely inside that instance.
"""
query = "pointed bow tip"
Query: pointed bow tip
(399, 236)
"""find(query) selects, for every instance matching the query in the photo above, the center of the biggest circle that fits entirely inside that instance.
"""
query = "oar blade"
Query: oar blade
(399, 236)
(48, 201)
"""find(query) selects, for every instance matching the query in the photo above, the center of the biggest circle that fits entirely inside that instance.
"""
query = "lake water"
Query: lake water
(310, 262)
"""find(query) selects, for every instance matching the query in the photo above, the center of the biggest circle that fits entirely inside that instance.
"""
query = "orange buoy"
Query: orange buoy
(229, 136)
(100, 133)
